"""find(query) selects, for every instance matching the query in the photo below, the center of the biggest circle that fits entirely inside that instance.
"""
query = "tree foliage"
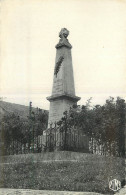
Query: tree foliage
(105, 124)
(16, 128)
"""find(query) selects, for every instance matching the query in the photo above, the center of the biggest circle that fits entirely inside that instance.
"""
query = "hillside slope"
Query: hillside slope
(20, 110)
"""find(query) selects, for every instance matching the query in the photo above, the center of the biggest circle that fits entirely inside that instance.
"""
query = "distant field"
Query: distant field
(90, 173)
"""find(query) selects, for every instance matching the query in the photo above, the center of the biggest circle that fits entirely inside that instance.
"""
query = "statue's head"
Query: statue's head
(63, 33)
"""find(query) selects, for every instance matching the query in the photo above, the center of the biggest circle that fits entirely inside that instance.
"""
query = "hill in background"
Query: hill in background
(20, 110)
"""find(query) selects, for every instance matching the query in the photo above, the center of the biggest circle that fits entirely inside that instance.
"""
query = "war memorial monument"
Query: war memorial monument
(79, 156)
(63, 91)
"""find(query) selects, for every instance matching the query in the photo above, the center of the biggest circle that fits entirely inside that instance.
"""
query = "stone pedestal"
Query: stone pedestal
(63, 91)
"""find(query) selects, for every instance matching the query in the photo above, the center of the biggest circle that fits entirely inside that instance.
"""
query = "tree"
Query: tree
(104, 124)
(22, 130)
(121, 110)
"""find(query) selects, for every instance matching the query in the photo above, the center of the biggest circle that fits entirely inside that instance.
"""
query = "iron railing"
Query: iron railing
(51, 140)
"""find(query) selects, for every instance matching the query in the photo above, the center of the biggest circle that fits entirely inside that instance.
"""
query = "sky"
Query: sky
(29, 33)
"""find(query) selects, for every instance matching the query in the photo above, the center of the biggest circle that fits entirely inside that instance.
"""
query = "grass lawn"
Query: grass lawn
(90, 176)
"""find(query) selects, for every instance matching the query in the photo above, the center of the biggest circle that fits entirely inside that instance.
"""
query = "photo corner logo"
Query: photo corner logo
(115, 185)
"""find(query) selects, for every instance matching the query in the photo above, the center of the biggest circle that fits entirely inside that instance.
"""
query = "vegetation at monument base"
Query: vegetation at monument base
(105, 124)
(92, 174)
(15, 127)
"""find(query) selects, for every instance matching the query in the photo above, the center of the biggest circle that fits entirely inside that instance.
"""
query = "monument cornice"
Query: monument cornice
(63, 96)
(63, 44)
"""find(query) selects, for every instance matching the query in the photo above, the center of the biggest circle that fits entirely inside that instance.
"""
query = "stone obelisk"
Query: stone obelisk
(63, 91)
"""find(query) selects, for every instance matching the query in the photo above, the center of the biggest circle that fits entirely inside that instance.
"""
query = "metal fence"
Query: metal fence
(52, 139)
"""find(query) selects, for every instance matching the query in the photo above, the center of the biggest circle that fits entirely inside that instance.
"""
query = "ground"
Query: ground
(4, 191)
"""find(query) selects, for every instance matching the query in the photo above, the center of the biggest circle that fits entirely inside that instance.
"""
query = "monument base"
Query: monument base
(58, 105)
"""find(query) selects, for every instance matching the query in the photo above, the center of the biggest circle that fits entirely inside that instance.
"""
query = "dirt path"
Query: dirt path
(4, 191)
(122, 191)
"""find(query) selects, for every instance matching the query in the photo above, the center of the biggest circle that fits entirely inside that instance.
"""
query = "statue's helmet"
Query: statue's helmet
(63, 33)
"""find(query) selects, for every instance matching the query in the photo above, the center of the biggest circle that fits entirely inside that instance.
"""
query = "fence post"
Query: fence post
(78, 140)
(13, 147)
(46, 140)
(33, 138)
(17, 147)
(37, 144)
(70, 138)
(55, 136)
